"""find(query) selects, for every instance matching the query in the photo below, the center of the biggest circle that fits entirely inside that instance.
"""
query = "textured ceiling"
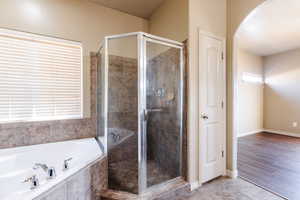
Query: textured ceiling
(271, 28)
(140, 8)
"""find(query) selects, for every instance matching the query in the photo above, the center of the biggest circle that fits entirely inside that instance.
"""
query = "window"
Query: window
(40, 77)
(252, 78)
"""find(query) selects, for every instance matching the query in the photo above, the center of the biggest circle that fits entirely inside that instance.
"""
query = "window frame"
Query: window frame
(34, 37)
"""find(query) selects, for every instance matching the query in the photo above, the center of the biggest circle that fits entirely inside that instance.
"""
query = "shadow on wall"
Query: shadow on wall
(281, 96)
(282, 77)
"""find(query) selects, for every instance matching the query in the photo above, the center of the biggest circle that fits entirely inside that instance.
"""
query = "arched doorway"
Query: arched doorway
(270, 29)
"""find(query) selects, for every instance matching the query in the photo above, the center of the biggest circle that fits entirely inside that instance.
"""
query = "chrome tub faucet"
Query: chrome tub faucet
(34, 181)
(66, 164)
(51, 173)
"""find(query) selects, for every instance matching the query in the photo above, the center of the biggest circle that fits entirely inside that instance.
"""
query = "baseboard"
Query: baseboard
(195, 185)
(282, 133)
(250, 133)
(232, 174)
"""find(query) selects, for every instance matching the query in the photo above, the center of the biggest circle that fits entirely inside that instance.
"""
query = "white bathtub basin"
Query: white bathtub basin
(16, 165)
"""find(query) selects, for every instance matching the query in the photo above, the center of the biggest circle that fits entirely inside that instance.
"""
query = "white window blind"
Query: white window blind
(40, 77)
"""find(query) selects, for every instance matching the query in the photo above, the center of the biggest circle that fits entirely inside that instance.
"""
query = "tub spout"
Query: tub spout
(42, 166)
(51, 173)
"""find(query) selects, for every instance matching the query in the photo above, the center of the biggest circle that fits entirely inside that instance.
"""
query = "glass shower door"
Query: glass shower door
(163, 112)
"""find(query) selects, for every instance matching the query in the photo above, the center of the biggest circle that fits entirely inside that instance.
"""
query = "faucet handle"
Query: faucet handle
(66, 163)
(29, 179)
(51, 173)
(33, 180)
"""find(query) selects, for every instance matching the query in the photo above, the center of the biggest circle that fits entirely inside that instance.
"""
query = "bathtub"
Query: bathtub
(16, 164)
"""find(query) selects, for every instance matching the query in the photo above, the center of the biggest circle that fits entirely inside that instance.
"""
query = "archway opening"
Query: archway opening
(266, 71)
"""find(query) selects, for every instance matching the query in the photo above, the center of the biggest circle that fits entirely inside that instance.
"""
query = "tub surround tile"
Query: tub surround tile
(99, 177)
(90, 195)
(22, 134)
(12, 137)
(39, 134)
(30, 133)
(58, 193)
(79, 185)
(87, 184)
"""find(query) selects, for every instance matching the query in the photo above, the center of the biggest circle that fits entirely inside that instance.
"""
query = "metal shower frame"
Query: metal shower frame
(142, 39)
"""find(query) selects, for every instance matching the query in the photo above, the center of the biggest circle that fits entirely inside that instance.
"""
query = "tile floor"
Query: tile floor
(230, 189)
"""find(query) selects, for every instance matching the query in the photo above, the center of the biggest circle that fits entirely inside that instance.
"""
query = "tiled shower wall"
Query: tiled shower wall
(123, 94)
(30, 133)
(164, 127)
(123, 121)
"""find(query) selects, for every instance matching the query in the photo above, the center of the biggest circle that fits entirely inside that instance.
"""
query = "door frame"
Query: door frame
(201, 135)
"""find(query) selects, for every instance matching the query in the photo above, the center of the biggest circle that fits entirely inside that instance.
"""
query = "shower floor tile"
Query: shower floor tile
(155, 175)
(124, 175)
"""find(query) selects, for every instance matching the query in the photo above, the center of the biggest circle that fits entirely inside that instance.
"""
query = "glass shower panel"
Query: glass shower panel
(122, 113)
(140, 109)
(164, 112)
(100, 96)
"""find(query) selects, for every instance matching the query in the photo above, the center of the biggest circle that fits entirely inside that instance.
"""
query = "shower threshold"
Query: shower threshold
(165, 190)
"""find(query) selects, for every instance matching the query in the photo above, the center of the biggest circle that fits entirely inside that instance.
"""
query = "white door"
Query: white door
(212, 84)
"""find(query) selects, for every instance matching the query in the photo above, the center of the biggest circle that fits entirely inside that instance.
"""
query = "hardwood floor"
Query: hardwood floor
(271, 161)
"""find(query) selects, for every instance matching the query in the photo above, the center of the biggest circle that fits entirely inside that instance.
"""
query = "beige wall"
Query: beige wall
(170, 20)
(281, 94)
(209, 16)
(87, 22)
(237, 11)
(69, 19)
(250, 95)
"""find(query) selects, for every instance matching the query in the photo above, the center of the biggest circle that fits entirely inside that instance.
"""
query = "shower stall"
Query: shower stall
(140, 110)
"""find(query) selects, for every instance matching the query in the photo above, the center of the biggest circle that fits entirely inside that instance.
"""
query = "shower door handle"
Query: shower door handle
(155, 110)
(145, 115)
(148, 111)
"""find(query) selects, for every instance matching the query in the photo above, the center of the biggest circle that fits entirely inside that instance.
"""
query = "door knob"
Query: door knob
(204, 116)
